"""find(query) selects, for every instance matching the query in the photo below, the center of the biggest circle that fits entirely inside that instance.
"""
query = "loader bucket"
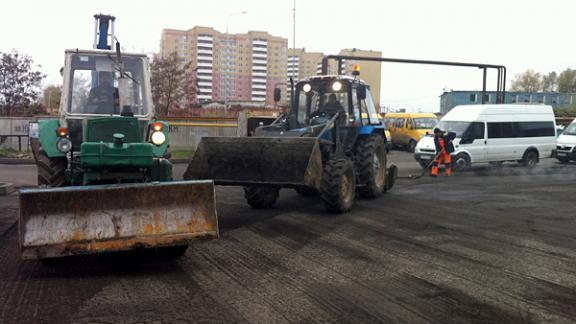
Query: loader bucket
(66, 221)
(264, 161)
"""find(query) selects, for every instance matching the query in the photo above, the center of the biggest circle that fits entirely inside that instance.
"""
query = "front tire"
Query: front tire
(261, 197)
(411, 146)
(371, 166)
(461, 162)
(530, 159)
(51, 171)
(338, 185)
(563, 160)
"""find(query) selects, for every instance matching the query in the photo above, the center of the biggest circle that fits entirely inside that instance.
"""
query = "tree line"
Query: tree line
(531, 81)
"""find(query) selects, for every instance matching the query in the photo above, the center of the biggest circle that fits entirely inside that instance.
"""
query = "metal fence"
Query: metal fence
(185, 132)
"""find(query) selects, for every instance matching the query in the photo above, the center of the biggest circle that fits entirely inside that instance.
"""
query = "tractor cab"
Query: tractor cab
(318, 99)
(95, 82)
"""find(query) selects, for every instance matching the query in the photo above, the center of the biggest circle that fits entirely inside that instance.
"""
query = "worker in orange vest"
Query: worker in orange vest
(444, 148)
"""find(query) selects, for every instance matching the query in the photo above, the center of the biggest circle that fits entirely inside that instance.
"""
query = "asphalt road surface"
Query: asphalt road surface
(485, 246)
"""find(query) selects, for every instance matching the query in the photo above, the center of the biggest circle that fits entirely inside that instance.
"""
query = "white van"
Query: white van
(495, 134)
(565, 144)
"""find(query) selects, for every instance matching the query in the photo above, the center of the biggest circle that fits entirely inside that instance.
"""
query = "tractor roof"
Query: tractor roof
(101, 52)
(332, 77)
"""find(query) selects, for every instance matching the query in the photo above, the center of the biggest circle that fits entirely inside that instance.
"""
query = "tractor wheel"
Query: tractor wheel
(50, 170)
(261, 197)
(307, 192)
(338, 186)
(371, 166)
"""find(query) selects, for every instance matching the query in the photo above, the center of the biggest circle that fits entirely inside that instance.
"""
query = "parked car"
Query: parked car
(495, 134)
(406, 129)
(566, 143)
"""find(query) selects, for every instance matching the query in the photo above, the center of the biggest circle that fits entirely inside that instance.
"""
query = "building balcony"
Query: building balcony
(205, 38)
(204, 84)
(258, 87)
(206, 65)
(259, 42)
(259, 55)
(259, 74)
(205, 52)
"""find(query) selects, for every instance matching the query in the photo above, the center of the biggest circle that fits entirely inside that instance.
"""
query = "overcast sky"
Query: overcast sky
(519, 34)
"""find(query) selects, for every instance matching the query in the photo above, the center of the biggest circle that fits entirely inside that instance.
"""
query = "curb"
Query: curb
(16, 161)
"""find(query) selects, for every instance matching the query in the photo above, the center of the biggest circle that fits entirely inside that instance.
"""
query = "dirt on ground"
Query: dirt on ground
(486, 246)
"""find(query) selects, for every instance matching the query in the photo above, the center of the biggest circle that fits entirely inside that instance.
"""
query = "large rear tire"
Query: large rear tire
(261, 197)
(338, 186)
(51, 171)
(371, 166)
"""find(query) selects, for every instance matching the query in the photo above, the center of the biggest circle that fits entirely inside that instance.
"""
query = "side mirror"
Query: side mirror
(361, 92)
(277, 94)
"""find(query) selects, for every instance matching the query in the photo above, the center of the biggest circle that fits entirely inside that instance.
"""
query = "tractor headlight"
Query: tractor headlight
(307, 87)
(64, 145)
(158, 138)
(337, 86)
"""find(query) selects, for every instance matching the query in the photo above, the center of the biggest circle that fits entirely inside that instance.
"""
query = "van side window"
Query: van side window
(536, 129)
(399, 123)
(501, 130)
(520, 129)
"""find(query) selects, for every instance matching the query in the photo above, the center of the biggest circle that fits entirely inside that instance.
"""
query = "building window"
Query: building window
(473, 98)
(514, 99)
(487, 98)
(527, 98)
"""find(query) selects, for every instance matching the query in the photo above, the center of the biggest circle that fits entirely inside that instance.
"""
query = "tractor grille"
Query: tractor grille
(103, 129)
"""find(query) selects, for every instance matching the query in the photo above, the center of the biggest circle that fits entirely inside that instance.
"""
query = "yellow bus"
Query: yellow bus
(406, 129)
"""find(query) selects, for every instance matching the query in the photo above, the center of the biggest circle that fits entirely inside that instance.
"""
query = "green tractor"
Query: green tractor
(104, 166)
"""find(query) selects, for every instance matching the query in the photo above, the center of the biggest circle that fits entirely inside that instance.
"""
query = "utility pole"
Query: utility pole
(294, 41)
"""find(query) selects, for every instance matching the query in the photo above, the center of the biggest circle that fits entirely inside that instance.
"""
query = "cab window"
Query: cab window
(399, 123)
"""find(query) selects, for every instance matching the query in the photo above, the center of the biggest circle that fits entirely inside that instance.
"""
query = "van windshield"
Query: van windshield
(458, 127)
(425, 123)
(570, 130)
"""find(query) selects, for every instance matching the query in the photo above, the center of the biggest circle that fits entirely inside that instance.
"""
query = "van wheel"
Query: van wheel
(530, 159)
(411, 146)
(424, 163)
(461, 162)
(563, 160)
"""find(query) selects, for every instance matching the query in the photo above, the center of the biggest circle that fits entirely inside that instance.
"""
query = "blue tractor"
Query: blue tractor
(331, 144)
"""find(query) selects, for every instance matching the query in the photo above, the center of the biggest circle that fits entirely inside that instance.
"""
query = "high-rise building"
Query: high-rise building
(302, 64)
(230, 67)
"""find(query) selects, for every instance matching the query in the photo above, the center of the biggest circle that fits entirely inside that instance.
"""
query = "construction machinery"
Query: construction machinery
(104, 166)
(331, 144)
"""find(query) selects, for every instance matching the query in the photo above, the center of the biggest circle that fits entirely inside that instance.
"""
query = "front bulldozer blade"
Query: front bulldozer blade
(258, 161)
(66, 221)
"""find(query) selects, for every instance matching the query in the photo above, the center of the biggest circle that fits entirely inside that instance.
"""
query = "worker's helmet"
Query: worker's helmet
(438, 131)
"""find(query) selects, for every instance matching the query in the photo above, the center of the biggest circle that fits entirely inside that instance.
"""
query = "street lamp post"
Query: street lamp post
(226, 76)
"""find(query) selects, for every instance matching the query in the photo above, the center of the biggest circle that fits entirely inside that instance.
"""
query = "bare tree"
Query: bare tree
(567, 81)
(169, 83)
(528, 81)
(550, 82)
(51, 98)
(19, 83)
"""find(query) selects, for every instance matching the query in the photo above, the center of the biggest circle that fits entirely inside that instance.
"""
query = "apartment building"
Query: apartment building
(230, 67)
(302, 64)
